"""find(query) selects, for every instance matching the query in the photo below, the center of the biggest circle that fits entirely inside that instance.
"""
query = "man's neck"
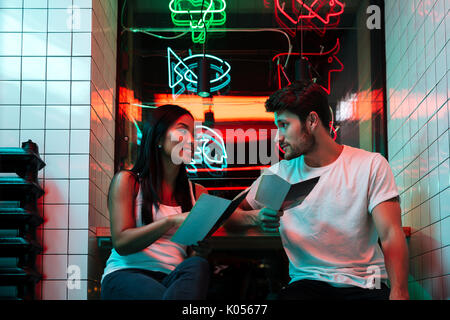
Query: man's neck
(325, 152)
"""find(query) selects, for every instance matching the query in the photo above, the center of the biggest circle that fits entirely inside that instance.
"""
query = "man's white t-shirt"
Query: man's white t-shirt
(331, 236)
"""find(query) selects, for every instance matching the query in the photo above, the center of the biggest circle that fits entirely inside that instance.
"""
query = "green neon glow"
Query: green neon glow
(186, 13)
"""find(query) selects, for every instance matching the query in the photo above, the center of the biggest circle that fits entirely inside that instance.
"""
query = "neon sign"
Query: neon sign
(210, 151)
(333, 64)
(318, 15)
(183, 72)
(212, 14)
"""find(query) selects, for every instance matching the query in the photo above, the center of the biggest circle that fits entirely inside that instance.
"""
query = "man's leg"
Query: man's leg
(307, 290)
(357, 293)
(189, 281)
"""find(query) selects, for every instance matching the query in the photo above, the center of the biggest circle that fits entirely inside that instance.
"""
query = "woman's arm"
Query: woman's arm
(126, 237)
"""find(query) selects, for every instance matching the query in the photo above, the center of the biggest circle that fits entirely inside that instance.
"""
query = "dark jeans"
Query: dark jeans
(319, 290)
(189, 281)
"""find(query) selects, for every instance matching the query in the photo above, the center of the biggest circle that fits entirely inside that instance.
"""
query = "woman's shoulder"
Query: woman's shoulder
(126, 175)
(126, 179)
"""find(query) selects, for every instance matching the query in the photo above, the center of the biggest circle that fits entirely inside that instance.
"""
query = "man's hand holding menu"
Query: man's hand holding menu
(274, 195)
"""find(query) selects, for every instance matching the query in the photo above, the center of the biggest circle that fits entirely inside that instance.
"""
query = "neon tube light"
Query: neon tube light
(182, 74)
(334, 64)
(321, 15)
(213, 14)
(225, 188)
(255, 168)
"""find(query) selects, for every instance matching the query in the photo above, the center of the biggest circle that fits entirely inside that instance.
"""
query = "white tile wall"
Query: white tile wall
(56, 191)
(79, 216)
(59, 44)
(9, 68)
(56, 216)
(81, 44)
(417, 59)
(34, 20)
(57, 141)
(11, 20)
(83, 3)
(9, 92)
(57, 117)
(81, 68)
(78, 242)
(34, 44)
(80, 117)
(58, 68)
(9, 117)
(58, 92)
(59, 20)
(55, 241)
(34, 3)
(33, 68)
(59, 3)
(54, 290)
(47, 58)
(54, 266)
(81, 92)
(79, 191)
(10, 44)
(33, 92)
(32, 117)
(78, 293)
(57, 166)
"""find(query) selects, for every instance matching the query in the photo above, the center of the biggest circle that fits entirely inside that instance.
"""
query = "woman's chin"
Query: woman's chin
(183, 159)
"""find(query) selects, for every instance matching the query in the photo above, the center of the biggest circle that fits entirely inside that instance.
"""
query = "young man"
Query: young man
(331, 239)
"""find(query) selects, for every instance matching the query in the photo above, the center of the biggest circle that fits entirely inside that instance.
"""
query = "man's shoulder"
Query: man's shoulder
(358, 154)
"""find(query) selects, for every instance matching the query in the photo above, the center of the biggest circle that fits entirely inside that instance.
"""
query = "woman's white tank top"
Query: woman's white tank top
(162, 255)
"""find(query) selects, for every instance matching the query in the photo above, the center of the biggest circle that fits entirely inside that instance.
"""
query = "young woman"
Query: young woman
(147, 204)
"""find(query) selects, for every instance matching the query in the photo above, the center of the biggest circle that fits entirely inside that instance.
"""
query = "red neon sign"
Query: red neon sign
(225, 188)
(317, 15)
(333, 64)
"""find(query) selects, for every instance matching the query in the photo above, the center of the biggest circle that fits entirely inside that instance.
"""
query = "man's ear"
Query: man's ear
(313, 120)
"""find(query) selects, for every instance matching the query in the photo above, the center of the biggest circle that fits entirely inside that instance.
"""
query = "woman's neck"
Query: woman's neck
(170, 174)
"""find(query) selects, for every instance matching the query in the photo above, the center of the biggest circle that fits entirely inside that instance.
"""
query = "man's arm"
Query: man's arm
(246, 217)
(387, 218)
(243, 218)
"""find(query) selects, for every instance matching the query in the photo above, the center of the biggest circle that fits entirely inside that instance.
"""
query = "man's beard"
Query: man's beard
(308, 145)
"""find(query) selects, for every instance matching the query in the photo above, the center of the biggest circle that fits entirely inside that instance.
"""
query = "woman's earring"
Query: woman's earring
(159, 146)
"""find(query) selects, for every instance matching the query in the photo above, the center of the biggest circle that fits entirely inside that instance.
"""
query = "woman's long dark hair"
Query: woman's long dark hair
(148, 166)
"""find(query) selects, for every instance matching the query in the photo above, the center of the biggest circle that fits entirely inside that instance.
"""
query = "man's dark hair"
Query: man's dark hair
(301, 98)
